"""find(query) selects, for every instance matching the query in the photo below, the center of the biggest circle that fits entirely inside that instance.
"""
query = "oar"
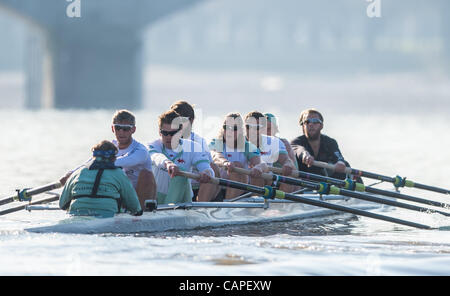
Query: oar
(55, 197)
(250, 193)
(269, 192)
(325, 188)
(26, 194)
(397, 180)
(352, 185)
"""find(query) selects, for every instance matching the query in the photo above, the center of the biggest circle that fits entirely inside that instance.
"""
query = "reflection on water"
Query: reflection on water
(330, 225)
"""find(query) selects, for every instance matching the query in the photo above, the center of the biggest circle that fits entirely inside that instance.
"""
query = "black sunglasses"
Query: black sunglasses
(312, 120)
(124, 127)
(169, 133)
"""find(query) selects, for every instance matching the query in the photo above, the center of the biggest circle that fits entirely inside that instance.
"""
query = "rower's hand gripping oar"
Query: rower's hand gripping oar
(26, 194)
(269, 193)
(397, 180)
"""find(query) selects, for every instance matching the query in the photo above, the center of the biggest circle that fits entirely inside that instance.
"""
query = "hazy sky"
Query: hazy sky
(340, 54)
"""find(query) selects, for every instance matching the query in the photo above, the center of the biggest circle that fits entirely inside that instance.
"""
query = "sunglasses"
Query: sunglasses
(230, 127)
(169, 133)
(124, 127)
(312, 120)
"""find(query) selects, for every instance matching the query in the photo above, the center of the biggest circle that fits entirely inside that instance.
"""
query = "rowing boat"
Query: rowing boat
(194, 215)
(268, 204)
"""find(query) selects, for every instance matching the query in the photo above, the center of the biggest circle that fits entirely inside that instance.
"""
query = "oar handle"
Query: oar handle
(329, 166)
(265, 176)
(216, 181)
(279, 171)
(196, 177)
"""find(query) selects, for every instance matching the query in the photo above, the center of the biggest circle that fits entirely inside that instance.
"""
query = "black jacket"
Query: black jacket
(328, 152)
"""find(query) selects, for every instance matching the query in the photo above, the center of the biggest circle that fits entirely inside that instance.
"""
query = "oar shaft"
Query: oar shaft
(407, 197)
(44, 188)
(393, 180)
(310, 176)
(345, 192)
(7, 199)
(280, 194)
(431, 188)
(354, 211)
(342, 183)
(23, 206)
(31, 192)
(366, 197)
(351, 171)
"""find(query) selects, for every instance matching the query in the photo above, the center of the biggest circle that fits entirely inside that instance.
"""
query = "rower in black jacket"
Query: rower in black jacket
(313, 145)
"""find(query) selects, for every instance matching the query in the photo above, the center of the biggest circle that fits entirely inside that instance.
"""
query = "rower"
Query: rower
(208, 190)
(272, 130)
(313, 145)
(231, 149)
(170, 154)
(100, 189)
(132, 156)
(272, 149)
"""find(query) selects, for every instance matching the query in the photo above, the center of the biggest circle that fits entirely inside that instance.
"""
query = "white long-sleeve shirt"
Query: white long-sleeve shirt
(182, 156)
(133, 160)
(271, 148)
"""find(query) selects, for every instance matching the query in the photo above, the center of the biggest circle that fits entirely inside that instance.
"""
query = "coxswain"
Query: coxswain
(100, 188)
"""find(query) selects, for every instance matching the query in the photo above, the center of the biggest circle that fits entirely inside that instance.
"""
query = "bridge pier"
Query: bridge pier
(93, 60)
(101, 68)
(34, 71)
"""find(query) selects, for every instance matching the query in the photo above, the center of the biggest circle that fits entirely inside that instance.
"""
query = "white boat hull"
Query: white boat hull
(177, 219)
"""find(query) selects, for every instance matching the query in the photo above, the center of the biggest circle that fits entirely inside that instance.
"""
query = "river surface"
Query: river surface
(395, 125)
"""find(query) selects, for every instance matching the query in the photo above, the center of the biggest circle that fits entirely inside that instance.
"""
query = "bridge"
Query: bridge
(310, 37)
(91, 53)
(96, 60)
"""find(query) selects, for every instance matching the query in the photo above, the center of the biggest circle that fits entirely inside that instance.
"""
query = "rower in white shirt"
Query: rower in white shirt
(171, 154)
(272, 149)
(231, 150)
(186, 110)
(133, 156)
(132, 159)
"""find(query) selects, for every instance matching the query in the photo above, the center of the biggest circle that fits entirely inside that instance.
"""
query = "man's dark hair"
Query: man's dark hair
(124, 115)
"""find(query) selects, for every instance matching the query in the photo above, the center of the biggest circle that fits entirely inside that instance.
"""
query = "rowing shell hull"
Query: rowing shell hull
(191, 218)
